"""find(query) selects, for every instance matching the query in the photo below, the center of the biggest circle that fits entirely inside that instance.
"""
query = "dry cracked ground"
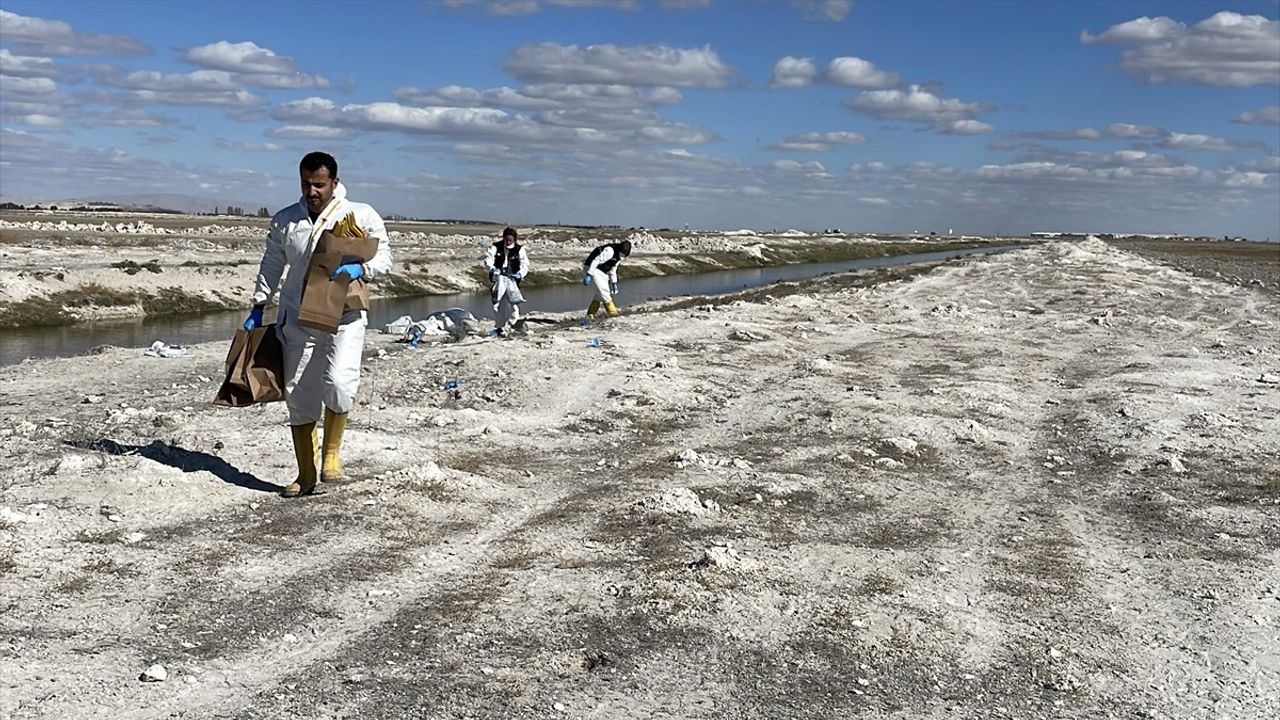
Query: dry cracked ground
(1039, 484)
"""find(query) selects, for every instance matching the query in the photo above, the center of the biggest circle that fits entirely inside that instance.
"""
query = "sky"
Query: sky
(973, 117)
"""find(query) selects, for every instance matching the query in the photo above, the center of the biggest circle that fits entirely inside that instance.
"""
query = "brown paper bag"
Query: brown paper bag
(324, 300)
(255, 369)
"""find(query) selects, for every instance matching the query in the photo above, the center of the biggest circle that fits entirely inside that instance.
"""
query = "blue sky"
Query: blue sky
(985, 117)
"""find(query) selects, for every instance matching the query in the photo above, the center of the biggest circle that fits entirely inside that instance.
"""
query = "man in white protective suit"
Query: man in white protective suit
(321, 369)
(507, 262)
(601, 270)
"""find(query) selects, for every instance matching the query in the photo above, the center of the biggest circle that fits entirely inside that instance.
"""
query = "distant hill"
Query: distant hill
(157, 202)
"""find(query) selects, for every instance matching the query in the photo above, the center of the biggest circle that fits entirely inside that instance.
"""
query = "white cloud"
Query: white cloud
(54, 37)
(26, 89)
(1077, 134)
(619, 65)
(965, 127)
(791, 166)
(874, 200)
(543, 97)
(1195, 141)
(1143, 29)
(225, 144)
(38, 120)
(858, 73)
(793, 72)
(915, 104)
(27, 65)
(309, 132)
(1225, 49)
(509, 8)
(253, 65)
(819, 141)
(1136, 132)
(824, 10)
(1269, 115)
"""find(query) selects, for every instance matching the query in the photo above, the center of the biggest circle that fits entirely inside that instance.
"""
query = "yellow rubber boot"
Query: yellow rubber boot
(611, 309)
(593, 308)
(334, 425)
(304, 450)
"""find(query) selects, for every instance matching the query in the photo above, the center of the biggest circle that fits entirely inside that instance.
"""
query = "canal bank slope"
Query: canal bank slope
(68, 268)
(1037, 484)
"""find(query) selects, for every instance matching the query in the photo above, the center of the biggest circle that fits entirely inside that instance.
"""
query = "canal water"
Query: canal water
(65, 341)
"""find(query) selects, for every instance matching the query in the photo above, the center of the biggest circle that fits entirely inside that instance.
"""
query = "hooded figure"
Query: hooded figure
(507, 263)
(321, 369)
(601, 271)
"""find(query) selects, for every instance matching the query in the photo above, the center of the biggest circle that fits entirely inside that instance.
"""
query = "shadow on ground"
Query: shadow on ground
(182, 459)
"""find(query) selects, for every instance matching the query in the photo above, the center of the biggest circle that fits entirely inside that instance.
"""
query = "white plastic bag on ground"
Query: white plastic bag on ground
(161, 349)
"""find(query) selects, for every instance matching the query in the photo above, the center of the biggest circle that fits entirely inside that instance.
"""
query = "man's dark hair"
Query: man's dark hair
(512, 232)
(313, 161)
(625, 247)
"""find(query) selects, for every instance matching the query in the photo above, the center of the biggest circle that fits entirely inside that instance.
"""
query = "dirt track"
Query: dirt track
(1043, 484)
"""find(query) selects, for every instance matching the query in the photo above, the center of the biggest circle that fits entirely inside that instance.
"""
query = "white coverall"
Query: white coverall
(505, 294)
(321, 369)
(600, 279)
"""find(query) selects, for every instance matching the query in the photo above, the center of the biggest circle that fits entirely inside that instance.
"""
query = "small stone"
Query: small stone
(1269, 378)
(558, 707)
(888, 463)
(1176, 465)
(155, 673)
(133, 537)
(289, 638)
(114, 518)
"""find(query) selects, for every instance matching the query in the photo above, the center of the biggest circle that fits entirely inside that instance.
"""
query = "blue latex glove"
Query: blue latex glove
(351, 270)
(254, 320)
(586, 279)
(614, 288)
(517, 277)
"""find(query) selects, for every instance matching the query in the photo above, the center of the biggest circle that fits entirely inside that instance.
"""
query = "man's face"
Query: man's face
(317, 188)
(510, 240)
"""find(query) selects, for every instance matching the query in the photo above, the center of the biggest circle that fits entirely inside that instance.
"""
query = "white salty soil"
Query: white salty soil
(1041, 484)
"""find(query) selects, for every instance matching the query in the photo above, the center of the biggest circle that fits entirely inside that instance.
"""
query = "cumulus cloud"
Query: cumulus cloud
(549, 96)
(225, 144)
(54, 37)
(608, 64)
(854, 72)
(208, 88)
(792, 166)
(793, 72)
(1269, 115)
(493, 124)
(819, 141)
(253, 65)
(1195, 141)
(824, 10)
(1078, 134)
(1225, 49)
(310, 132)
(915, 104)
(1135, 132)
(27, 65)
(858, 73)
(965, 127)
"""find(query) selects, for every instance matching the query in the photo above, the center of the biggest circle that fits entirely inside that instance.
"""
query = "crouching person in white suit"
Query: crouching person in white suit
(321, 369)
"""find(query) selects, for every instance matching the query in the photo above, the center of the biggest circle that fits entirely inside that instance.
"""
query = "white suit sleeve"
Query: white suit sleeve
(489, 257)
(380, 264)
(272, 266)
(613, 273)
(524, 261)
